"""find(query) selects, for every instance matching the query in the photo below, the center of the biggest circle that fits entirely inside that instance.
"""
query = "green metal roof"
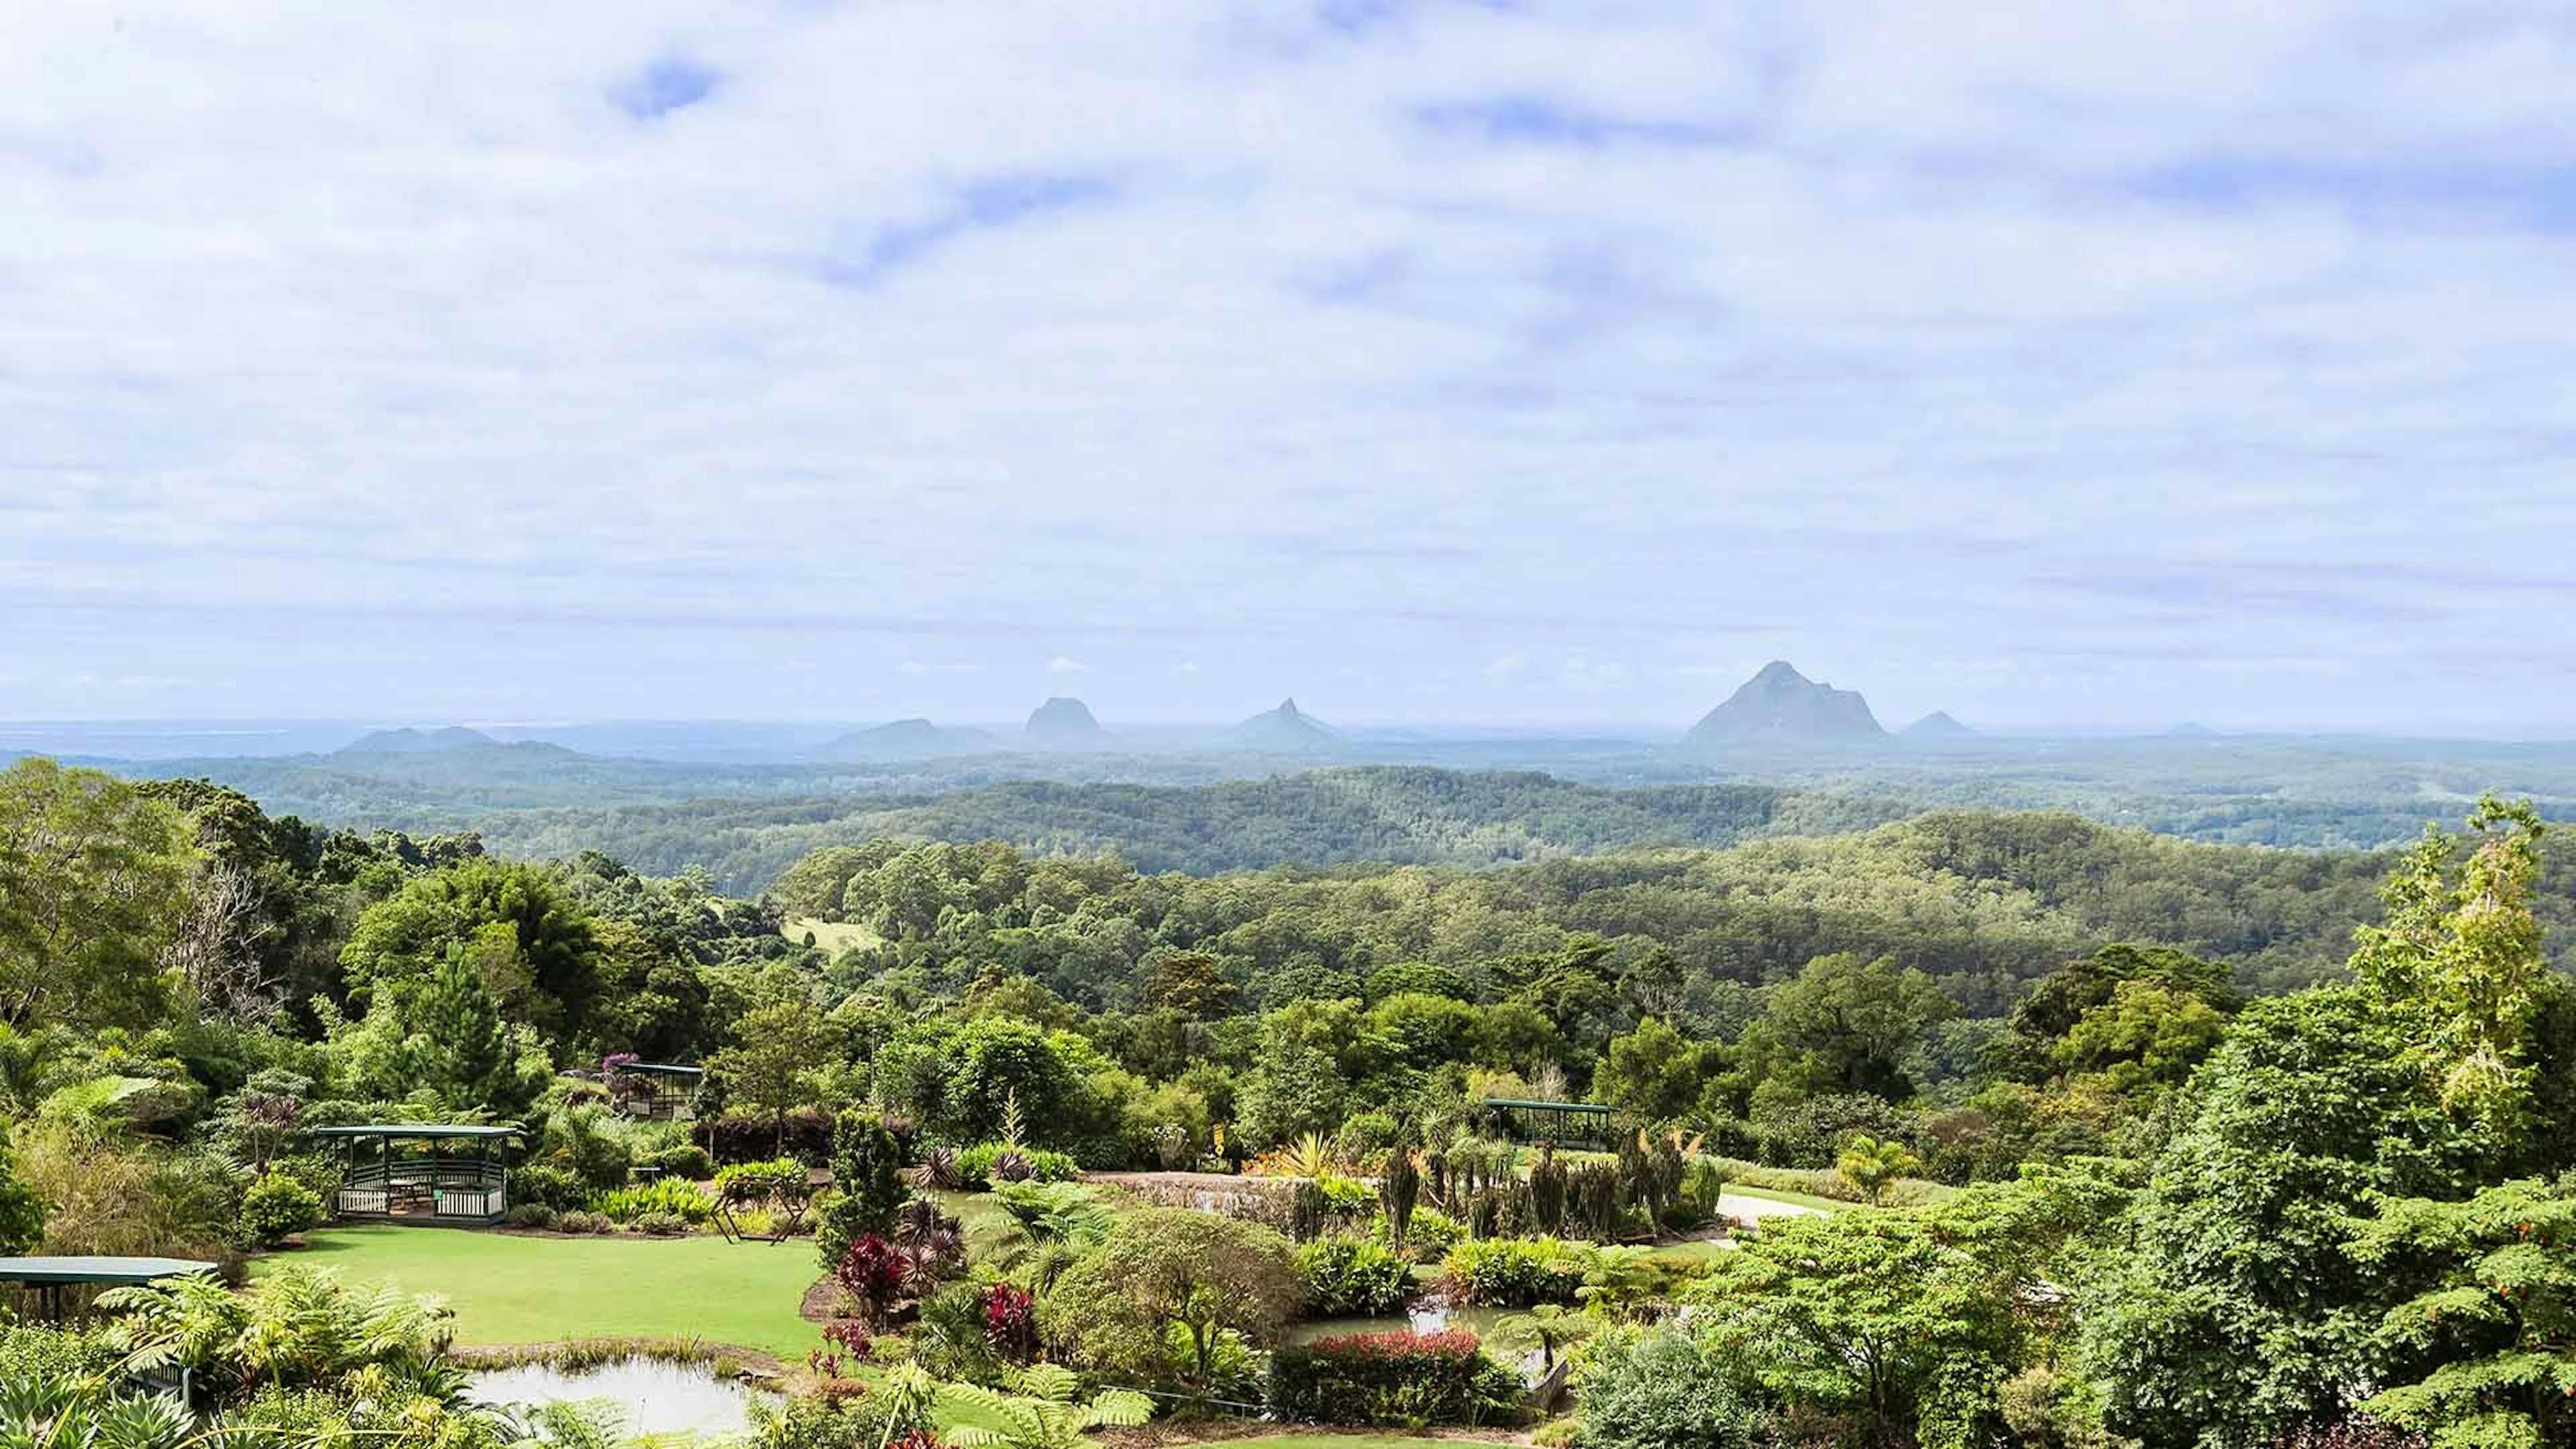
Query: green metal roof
(122, 1271)
(416, 1130)
(1593, 1108)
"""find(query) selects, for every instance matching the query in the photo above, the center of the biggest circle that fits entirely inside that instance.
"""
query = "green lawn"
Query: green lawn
(1802, 1199)
(832, 937)
(1690, 1254)
(508, 1289)
(1336, 1441)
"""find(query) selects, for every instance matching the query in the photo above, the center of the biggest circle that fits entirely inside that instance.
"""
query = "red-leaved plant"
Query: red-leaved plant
(873, 1273)
(1011, 1322)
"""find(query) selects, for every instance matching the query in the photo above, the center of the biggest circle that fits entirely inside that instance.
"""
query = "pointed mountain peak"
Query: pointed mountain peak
(1285, 730)
(1938, 725)
(1779, 705)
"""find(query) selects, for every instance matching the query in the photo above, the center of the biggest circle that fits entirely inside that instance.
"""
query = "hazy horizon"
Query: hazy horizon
(1518, 366)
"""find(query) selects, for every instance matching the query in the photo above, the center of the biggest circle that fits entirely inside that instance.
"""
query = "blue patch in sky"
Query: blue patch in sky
(667, 85)
(986, 205)
(2539, 198)
(1524, 120)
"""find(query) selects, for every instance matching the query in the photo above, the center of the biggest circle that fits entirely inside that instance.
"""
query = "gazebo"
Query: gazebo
(411, 1175)
(44, 1279)
(654, 1089)
(1566, 1122)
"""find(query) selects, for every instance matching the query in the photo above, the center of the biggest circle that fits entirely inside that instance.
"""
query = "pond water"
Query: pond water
(657, 1397)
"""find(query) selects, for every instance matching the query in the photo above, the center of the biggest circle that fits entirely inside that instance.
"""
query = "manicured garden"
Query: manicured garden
(511, 1288)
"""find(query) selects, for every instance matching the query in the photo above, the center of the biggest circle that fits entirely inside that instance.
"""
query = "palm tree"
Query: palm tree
(1044, 1413)
(1871, 1165)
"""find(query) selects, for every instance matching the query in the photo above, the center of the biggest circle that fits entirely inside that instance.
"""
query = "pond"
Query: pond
(655, 1396)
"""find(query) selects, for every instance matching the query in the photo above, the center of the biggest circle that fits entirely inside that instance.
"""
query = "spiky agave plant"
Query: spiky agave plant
(85, 1411)
(1308, 1156)
(936, 1170)
(1043, 1413)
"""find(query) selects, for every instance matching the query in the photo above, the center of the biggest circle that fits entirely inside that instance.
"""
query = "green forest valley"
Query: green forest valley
(1959, 1128)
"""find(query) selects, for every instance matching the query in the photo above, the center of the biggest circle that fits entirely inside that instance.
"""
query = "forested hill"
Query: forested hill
(1397, 815)
(1985, 902)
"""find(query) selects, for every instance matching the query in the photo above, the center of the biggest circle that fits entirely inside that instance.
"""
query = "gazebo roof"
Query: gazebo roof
(122, 1272)
(417, 1130)
(664, 1068)
(1586, 1107)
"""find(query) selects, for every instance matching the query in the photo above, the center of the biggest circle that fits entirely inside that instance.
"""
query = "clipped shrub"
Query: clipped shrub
(1515, 1272)
(686, 1160)
(975, 1165)
(276, 1208)
(579, 1222)
(661, 1224)
(530, 1215)
(1393, 1378)
(664, 1195)
(543, 1186)
(1347, 1277)
(779, 1180)
(867, 1186)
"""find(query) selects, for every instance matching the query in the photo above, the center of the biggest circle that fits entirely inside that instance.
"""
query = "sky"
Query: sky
(1515, 364)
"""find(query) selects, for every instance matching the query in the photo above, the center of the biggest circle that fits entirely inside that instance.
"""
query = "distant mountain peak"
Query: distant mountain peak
(1938, 725)
(418, 741)
(1780, 705)
(908, 739)
(1066, 723)
(1284, 731)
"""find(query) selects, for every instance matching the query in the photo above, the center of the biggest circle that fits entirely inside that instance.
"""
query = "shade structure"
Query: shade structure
(655, 1089)
(401, 1183)
(47, 1277)
(1567, 1122)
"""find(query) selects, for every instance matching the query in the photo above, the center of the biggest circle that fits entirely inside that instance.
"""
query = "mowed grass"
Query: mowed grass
(831, 937)
(1802, 1199)
(512, 1289)
(1344, 1441)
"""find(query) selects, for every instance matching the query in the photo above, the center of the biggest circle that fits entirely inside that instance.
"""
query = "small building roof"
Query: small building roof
(1587, 1107)
(665, 1068)
(399, 1130)
(120, 1271)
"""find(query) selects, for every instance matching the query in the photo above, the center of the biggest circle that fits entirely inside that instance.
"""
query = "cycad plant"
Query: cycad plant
(1044, 1413)
(71, 1410)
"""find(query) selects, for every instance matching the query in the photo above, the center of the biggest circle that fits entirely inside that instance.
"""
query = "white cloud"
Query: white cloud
(597, 360)
(1062, 665)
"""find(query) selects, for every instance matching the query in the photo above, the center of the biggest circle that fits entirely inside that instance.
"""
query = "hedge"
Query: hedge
(1393, 1378)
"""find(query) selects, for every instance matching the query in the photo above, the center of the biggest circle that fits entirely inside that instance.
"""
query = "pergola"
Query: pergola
(654, 1089)
(1567, 1122)
(46, 1278)
(411, 1176)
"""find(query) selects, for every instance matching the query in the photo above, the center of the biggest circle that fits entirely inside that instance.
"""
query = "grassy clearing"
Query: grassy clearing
(1801, 1199)
(512, 1289)
(1690, 1254)
(1340, 1442)
(833, 937)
